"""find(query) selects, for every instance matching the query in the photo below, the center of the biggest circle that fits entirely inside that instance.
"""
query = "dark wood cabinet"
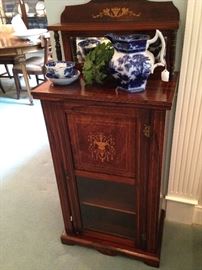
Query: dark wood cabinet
(106, 144)
(107, 151)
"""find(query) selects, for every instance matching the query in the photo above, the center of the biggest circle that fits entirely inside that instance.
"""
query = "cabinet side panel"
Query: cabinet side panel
(154, 179)
(51, 113)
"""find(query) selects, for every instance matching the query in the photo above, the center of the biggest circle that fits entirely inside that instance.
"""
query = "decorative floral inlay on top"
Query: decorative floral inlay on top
(101, 147)
(116, 12)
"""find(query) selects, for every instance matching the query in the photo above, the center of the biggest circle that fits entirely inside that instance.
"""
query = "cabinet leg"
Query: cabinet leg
(64, 239)
(107, 251)
(153, 264)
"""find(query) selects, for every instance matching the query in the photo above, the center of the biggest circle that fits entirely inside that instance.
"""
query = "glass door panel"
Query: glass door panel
(108, 221)
(107, 206)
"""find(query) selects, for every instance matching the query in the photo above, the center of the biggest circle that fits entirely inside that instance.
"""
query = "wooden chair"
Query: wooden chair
(5, 61)
(1, 87)
(35, 65)
(6, 73)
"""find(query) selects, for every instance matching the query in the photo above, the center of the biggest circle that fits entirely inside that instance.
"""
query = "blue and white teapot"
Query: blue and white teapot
(132, 63)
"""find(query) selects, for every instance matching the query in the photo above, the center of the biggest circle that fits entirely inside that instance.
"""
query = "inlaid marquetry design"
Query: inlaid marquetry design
(116, 12)
(100, 144)
(101, 147)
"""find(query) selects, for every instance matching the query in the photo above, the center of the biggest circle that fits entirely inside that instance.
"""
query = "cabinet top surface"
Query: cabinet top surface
(158, 94)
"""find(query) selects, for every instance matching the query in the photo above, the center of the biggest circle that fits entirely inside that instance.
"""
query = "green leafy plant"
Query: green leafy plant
(95, 68)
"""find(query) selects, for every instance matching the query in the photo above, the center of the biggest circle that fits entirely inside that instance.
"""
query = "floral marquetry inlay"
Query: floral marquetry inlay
(116, 12)
(101, 147)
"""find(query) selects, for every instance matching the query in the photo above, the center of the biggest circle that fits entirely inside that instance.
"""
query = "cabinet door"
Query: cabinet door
(106, 152)
(103, 141)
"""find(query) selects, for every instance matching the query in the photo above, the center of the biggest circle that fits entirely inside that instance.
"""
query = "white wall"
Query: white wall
(55, 7)
(181, 6)
(185, 181)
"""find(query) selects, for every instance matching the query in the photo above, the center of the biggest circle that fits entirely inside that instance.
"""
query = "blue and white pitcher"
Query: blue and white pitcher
(132, 63)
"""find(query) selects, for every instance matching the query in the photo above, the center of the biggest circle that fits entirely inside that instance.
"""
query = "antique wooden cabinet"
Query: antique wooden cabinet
(107, 150)
(106, 144)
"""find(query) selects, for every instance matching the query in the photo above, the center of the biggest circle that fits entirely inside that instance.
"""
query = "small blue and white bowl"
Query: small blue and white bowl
(60, 69)
(87, 45)
(63, 81)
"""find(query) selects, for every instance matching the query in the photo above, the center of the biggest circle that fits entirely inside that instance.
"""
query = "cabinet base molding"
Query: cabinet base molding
(110, 248)
(107, 248)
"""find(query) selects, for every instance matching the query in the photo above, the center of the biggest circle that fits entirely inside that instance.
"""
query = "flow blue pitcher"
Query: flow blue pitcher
(132, 62)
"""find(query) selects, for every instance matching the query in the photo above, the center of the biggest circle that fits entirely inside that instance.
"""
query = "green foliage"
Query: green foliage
(96, 63)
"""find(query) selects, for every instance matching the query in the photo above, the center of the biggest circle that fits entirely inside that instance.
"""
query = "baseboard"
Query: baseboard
(197, 216)
(183, 210)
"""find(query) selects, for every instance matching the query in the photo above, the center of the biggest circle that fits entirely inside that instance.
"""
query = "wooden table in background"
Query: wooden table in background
(11, 46)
